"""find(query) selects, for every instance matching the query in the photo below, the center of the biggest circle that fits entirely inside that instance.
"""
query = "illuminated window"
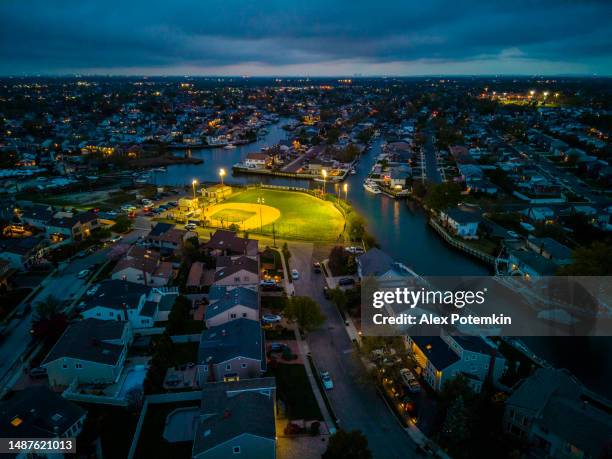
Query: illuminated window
(17, 421)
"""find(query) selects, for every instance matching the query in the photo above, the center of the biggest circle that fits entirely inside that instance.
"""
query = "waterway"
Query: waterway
(403, 232)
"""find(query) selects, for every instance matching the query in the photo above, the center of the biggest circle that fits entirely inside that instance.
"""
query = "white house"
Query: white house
(442, 358)
(256, 160)
(462, 223)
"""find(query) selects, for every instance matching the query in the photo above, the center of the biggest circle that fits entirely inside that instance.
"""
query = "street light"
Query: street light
(345, 188)
(531, 93)
(324, 173)
(260, 201)
(193, 184)
(221, 174)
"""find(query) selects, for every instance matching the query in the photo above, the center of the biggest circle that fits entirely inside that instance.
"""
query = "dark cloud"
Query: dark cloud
(314, 36)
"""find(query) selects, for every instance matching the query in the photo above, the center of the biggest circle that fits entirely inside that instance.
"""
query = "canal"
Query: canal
(403, 232)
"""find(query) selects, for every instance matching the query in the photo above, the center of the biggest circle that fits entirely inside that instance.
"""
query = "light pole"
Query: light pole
(193, 184)
(260, 201)
(345, 187)
(221, 174)
(324, 173)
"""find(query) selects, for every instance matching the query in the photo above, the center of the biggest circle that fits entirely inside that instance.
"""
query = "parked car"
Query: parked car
(328, 384)
(410, 380)
(295, 274)
(354, 250)
(115, 239)
(326, 293)
(277, 347)
(172, 203)
(271, 318)
(316, 267)
(190, 226)
(38, 372)
(83, 274)
(345, 281)
(268, 283)
(93, 290)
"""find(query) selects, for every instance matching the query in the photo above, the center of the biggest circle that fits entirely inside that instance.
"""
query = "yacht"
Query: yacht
(229, 147)
(371, 186)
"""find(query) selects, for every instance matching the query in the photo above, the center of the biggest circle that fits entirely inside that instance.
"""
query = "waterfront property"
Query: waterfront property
(442, 358)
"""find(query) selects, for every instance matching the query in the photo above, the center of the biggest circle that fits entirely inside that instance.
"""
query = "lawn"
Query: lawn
(293, 388)
(302, 216)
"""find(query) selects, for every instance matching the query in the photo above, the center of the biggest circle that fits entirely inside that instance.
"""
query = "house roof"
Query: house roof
(474, 344)
(37, 412)
(160, 229)
(87, 340)
(543, 266)
(563, 406)
(375, 262)
(227, 266)
(115, 293)
(437, 351)
(232, 409)
(557, 250)
(238, 338)
(20, 246)
(227, 240)
(462, 216)
(238, 296)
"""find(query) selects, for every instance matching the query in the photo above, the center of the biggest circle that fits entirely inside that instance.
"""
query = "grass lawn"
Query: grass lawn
(302, 216)
(293, 388)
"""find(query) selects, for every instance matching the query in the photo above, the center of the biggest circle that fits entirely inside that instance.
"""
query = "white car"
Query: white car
(328, 384)
(410, 380)
(354, 250)
(268, 283)
(271, 318)
(295, 275)
(114, 239)
(190, 226)
(93, 290)
(83, 274)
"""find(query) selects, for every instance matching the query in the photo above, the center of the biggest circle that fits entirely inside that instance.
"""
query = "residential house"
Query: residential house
(461, 222)
(237, 419)
(22, 253)
(166, 238)
(38, 215)
(233, 350)
(142, 306)
(69, 226)
(143, 266)
(442, 358)
(224, 242)
(539, 214)
(237, 303)
(237, 270)
(529, 264)
(89, 351)
(257, 160)
(376, 263)
(558, 416)
(38, 412)
(551, 249)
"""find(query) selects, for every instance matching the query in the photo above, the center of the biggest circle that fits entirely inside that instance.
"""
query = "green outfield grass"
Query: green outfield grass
(302, 216)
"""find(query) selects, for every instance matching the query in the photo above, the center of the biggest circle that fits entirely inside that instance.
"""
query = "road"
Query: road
(431, 160)
(64, 285)
(354, 398)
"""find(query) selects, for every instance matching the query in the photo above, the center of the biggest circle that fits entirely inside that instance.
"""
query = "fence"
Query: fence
(490, 259)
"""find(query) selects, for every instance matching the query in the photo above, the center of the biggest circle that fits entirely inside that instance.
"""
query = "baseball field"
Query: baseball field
(289, 214)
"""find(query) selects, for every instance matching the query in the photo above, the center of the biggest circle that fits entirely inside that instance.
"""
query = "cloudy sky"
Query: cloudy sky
(305, 37)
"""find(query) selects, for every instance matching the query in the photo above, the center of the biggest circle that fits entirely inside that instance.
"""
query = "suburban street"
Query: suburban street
(354, 399)
(431, 161)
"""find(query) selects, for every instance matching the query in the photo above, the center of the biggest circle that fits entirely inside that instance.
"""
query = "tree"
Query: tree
(443, 196)
(341, 262)
(593, 260)
(179, 316)
(162, 358)
(123, 224)
(305, 311)
(347, 445)
(455, 428)
(49, 321)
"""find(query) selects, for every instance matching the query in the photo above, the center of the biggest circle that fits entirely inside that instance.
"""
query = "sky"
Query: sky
(305, 37)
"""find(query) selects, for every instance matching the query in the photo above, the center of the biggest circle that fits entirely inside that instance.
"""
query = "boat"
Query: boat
(229, 147)
(160, 169)
(353, 171)
(371, 186)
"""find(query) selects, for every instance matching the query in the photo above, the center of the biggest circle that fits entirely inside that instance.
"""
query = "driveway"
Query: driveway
(354, 398)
